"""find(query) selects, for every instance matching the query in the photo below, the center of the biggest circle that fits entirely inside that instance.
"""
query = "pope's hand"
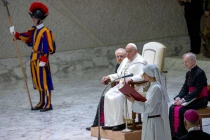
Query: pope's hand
(12, 30)
(105, 80)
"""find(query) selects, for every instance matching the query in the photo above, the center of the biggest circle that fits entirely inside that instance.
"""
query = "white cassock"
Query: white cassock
(157, 128)
(114, 102)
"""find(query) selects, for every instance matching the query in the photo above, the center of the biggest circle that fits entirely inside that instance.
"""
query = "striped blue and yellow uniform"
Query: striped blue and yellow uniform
(43, 44)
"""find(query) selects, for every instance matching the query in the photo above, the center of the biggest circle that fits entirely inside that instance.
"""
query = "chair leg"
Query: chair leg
(139, 119)
(200, 123)
(134, 122)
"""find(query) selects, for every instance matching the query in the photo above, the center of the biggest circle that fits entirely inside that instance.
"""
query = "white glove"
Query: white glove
(12, 30)
(42, 64)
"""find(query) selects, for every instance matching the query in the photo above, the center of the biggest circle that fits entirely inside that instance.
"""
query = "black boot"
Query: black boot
(41, 103)
(48, 105)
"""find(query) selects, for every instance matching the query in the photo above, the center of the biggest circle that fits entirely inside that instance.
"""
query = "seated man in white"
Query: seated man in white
(114, 102)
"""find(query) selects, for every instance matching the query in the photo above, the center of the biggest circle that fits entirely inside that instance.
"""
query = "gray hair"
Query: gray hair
(120, 50)
(133, 45)
(192, 56)
(192, 123)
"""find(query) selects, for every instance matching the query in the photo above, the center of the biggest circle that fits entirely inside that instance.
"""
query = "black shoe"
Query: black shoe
(118, 127)
(36, 108)
(88, 128)
(107, 127)
(45, 109)
(174, 138)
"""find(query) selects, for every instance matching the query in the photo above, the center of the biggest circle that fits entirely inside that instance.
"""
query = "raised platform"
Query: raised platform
(116, 135)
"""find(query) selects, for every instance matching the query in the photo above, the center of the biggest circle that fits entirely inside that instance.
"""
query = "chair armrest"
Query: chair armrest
(204, 115)
(112, 84)
(137, 83)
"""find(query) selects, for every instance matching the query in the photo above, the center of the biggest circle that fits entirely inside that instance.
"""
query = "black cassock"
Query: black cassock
(196, 78)
(196, 135)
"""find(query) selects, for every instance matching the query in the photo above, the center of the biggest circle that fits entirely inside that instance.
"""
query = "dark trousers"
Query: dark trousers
(193, 27)
(95, 122)
(197, 104)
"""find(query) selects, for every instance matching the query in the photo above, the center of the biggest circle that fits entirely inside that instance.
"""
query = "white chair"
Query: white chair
(153, 53)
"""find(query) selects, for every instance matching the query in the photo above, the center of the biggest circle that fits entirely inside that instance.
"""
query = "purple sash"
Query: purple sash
(177, 108)
(176, 117)
(202, 94)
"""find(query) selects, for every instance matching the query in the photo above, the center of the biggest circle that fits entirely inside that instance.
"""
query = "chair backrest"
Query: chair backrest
(154, 53)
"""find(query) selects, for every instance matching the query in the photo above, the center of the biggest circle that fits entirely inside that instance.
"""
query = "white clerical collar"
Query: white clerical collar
(192, 67)
(40, 26)
(194, 128)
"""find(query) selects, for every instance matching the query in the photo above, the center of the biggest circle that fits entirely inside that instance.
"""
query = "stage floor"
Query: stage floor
(74, 106)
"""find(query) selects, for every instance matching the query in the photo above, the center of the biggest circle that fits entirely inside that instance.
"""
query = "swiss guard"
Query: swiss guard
(41, 40)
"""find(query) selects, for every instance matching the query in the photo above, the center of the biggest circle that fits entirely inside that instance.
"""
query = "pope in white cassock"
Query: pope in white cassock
(155, 109)
(114, 101)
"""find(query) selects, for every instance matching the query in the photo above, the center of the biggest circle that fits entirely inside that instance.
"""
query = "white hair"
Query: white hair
(190, 55)
(133, 45)
(120, 50)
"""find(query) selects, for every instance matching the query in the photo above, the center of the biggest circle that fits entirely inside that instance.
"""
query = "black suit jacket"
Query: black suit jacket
(193, 8)
(196, 135)
(197, 79)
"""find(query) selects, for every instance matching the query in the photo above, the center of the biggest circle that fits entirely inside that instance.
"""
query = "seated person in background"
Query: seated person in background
(155, 109)
(114, 100)
(191, 122)
(194, 92)
(120, 54)
(206, 32)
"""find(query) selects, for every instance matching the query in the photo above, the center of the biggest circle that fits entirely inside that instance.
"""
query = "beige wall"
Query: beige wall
(81, 24)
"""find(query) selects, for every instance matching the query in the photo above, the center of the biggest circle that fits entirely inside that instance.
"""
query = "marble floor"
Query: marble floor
(74, 106)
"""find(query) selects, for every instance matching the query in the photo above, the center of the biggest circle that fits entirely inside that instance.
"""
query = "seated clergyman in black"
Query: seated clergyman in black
(193, 95)
(120, 55)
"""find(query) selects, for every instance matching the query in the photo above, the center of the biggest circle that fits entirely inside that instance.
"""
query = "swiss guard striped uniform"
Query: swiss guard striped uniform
(42, 42)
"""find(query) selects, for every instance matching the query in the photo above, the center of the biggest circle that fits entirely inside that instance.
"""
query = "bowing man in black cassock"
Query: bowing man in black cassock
(191, 122)
(194, 92)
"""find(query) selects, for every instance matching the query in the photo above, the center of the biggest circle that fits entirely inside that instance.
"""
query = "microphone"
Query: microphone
(126, 109)
(99, 107)
(99, 104)
(129, 75)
